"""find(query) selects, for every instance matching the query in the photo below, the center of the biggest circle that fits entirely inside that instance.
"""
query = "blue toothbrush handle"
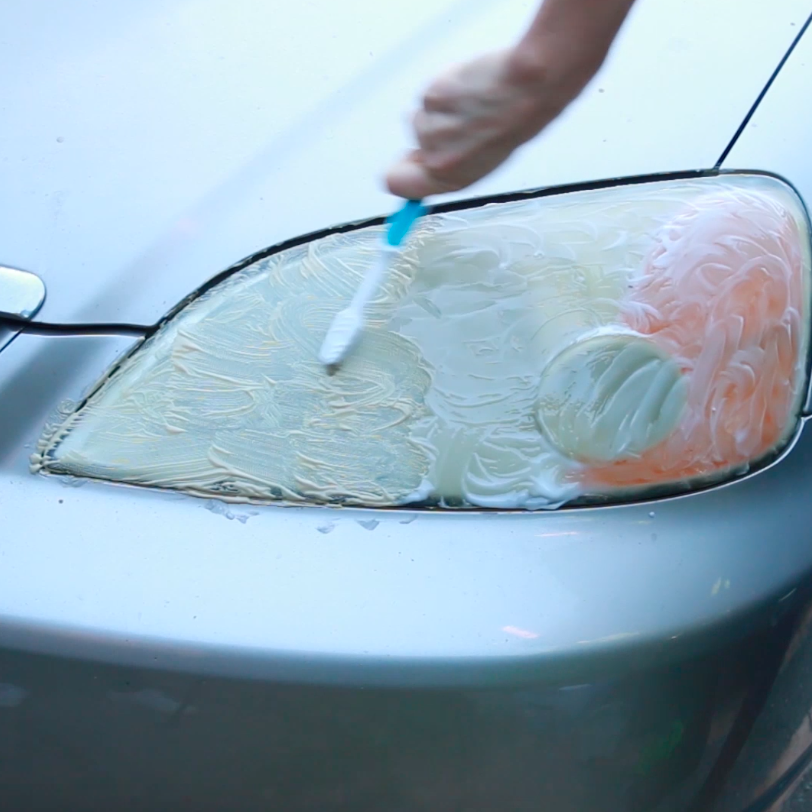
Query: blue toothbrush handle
(401, 222)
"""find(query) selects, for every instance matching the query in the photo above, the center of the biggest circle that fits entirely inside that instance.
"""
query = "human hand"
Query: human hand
(475, 115)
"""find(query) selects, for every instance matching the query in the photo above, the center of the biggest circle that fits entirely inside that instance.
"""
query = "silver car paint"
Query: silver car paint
(662, 615)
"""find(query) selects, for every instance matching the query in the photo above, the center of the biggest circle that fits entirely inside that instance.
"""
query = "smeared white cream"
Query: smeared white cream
(470, 346)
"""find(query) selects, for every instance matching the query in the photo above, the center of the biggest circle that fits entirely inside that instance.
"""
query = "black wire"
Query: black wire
(764, 91)
(41, 328)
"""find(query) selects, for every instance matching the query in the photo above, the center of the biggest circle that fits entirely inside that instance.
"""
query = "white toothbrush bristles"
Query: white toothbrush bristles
(348, 325)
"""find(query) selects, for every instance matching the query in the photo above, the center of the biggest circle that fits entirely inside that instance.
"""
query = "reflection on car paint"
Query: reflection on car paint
(11, 695)
(524, 354)
(152, 699)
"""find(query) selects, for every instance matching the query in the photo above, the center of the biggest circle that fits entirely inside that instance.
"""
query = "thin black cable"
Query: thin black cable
(764, 91)
(41, 328)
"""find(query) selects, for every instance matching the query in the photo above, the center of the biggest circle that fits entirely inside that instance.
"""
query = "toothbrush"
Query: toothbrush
(348, 325)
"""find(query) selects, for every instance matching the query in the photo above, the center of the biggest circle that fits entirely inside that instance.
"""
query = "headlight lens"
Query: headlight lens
(584, 346)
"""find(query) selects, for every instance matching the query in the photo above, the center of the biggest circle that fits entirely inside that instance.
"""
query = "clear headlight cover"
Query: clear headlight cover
(580, 346)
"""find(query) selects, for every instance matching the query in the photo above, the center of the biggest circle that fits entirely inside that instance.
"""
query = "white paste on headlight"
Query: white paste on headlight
(475, 383)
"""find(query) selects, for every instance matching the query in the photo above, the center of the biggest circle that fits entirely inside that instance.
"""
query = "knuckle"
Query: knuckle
(420, 121)
(439, 95)
(427, 141)
(431, 98)
(446, 167)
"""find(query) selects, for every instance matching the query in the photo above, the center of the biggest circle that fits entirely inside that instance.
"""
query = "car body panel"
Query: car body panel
(131, 739)
(157, 651)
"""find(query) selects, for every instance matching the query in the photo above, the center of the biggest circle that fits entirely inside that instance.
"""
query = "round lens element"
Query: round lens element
(610, 397)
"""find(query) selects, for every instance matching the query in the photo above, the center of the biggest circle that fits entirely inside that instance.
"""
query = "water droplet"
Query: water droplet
(651, 514)
(221, 509)
(369, 524)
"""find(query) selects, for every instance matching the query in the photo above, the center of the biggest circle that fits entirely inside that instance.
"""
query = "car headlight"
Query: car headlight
(585, 345)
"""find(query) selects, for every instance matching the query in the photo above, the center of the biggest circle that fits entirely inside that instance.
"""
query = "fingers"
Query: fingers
(445, 161)
(423, 173)
(436, 133)
(410, 178)
(471, 120)
(441, 96)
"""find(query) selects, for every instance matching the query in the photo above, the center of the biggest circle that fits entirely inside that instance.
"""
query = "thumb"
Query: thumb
(411, 179)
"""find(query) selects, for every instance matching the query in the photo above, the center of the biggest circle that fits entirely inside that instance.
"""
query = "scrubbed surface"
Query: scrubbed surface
(519, 355)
